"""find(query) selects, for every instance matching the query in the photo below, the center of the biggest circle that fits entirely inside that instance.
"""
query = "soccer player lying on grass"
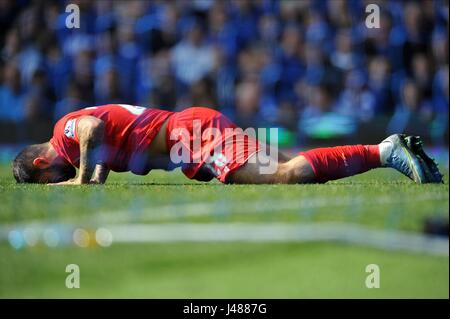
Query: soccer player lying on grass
(205, 144)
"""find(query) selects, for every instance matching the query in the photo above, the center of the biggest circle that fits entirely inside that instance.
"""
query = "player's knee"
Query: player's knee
(295, 173)
(286, 174)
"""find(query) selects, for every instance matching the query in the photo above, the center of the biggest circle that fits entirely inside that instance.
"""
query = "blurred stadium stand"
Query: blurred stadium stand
(310, 67)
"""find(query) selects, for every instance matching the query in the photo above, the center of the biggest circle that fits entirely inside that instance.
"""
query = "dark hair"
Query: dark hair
(25, 172)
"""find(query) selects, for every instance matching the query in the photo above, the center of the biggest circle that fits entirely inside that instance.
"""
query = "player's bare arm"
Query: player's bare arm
(90, 131)
(100, 175)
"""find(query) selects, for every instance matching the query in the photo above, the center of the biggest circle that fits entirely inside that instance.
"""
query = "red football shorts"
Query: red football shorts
(204, 141)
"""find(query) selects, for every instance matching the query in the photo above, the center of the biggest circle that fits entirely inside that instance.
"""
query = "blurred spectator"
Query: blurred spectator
(414, 33)
(245, 17)
(288, 59)
(71, 102)
(192, 58)
(439, 126)
(11, 46)
(40, 88)
(339, 14)
(223, 34)
(248, 100)
(319, 70)
(319, 120)
(83, 74)
(440, 47)
(380, 84)
(108, 87)
(412, 115)
(421, 73)
(356, 100)
(201, 93)
(12, 95)
(345, 57)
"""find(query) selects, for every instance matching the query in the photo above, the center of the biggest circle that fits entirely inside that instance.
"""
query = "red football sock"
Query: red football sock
(337, 162)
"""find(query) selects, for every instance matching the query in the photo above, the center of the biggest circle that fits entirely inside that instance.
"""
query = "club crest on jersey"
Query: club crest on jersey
(219, 163)
(69, 129)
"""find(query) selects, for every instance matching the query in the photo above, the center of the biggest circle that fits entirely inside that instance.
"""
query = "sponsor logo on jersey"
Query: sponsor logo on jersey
(69, 129)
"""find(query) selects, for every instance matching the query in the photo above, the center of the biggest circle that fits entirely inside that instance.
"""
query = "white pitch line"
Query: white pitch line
(118, 222)
(280, 232)
(171, 212)
(217, 208)
(256, 232)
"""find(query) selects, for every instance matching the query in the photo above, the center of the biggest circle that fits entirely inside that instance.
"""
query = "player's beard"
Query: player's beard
(60, 173)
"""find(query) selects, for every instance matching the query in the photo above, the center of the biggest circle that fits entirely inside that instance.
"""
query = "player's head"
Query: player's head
(39, 163)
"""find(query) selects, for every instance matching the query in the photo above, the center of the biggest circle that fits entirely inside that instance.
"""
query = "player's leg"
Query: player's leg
(314, 166)
(324, 164)
(402, 153)
(286, 171)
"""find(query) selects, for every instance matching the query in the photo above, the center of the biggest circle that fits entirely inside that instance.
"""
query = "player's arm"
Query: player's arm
(90, 131)
(100, 174)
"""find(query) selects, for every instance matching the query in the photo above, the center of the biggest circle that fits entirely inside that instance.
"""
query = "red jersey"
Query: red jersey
(129, 130)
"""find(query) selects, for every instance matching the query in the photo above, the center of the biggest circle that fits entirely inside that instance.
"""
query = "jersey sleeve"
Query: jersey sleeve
(65, 139)
(70, 129)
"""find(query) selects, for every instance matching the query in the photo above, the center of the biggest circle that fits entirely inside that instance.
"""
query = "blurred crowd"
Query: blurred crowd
(312, 68)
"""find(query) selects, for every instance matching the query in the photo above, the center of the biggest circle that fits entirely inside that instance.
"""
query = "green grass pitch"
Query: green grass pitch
(380, 199)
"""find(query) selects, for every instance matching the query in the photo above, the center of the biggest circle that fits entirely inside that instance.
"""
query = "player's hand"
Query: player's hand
(73, 181)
